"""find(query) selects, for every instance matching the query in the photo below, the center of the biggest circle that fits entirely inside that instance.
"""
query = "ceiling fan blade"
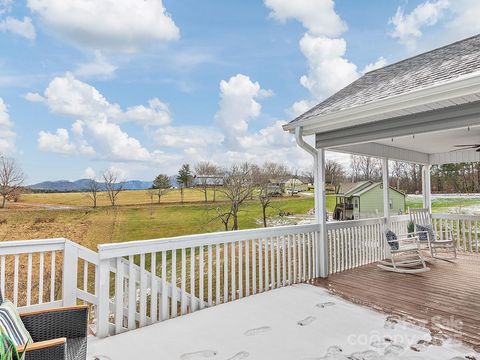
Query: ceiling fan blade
(466, 148)
(469, 145)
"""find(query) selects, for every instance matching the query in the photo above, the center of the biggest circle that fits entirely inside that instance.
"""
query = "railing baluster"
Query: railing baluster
(232, 268)
(272, 261)
(183, 283)
(217, 274)
(132, 293)
(225, 272)
(193, 303)
(201, 276)
(267, 268)
(294, 264)
(153, 288)
(52, 276)
(284, 264)
(254, 266)
(164, 306)
(240, 270)
(41, 265)
(29, 279)
(174, 304)
(209, 276)
(119, 295)
(15, 281)
(247, 268)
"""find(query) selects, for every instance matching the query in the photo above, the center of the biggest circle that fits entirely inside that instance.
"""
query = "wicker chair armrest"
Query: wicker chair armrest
(69, 322)
(45, 350)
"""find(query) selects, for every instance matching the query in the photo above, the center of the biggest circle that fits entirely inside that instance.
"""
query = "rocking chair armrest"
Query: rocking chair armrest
(43, 350)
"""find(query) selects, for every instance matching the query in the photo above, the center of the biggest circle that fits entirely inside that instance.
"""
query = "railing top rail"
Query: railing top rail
(30, 246)
(107, 251)
(456, 217)
(354, 223)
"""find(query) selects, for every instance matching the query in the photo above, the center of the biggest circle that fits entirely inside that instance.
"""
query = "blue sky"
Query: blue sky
(144, 86)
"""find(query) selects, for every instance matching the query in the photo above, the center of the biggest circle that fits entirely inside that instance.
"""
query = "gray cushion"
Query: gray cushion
(424, 231)
(391, 236)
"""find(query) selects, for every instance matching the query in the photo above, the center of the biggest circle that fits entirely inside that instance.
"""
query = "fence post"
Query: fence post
(103, 297)
(69, 279)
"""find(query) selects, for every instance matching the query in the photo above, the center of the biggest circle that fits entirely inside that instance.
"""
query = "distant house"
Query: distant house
(365, 199)
(207, 180)
(295, 184)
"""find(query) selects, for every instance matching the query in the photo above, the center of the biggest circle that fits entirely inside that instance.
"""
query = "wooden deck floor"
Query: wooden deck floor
(446, 299)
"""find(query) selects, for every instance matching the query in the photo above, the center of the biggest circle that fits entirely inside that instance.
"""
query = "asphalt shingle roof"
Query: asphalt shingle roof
(431, 68)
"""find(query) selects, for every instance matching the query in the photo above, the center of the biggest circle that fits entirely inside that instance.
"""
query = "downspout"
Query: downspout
(312, 151)
(321, 255)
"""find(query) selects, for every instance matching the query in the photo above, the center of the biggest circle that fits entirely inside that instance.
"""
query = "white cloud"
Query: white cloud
(34, 97)
(7, 136)
(465, 19)
(89, 173)
(22, 28)
(156, 113)
(317, 16)
(188, 136)
(238, 106)
(118, 25)
(408, 27)
(4, 115)
(5, 6)
(381, 62)
(61, 143)
(329, 70)
(99, 68)
(96, 131)
(69, 96)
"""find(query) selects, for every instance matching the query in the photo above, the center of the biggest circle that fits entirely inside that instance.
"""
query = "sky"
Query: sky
(142, 87)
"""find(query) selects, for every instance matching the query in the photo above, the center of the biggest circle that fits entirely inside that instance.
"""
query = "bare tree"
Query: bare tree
(334, 172)
(11, 178)
(263, 178)
(238, 185)
(308, 176)
(365, 168)
(397, 168)
(93, 188)
(161, 185)
(112, 185)
(205, 172)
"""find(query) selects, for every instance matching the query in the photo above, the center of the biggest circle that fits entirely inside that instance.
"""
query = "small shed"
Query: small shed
(364, 199)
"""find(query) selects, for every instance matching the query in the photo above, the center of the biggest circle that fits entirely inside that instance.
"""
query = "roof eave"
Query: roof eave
(463, 86)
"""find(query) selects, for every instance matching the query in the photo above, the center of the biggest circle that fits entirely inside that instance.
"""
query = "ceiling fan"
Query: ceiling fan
(470, 146)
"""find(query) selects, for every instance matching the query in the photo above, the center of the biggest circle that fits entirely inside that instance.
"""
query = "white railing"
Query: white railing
(142, 282)
(38, 274)
(465, 230)
(133, 284)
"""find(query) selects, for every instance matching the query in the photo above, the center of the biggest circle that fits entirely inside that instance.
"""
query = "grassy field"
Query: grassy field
(90, 227)
(138, 218)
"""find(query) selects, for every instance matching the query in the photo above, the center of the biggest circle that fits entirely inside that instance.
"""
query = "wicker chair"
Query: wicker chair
(58, 334)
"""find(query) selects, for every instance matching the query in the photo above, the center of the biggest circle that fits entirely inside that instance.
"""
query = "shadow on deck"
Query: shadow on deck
(446, 299)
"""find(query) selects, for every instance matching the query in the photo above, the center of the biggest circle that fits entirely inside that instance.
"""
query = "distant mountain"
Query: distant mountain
(82, 185)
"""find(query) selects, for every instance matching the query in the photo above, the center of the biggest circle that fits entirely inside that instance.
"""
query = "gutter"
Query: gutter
(304, 145)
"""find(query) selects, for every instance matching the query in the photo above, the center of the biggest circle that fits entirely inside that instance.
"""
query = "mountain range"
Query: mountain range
(82, 185)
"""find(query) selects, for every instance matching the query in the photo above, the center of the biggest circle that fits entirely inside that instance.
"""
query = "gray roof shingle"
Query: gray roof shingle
(431, 68)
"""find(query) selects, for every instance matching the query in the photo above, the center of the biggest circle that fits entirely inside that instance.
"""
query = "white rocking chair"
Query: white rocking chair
(446, 244)
(405, 255)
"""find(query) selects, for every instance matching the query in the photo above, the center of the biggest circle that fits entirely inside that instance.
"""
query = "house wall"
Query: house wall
(372, 201)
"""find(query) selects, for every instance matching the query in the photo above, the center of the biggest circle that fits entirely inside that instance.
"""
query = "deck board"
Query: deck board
(448, 294)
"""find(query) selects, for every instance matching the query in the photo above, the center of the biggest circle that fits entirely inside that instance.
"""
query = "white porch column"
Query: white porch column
(386, 192)
(426, 186)
(321, 213)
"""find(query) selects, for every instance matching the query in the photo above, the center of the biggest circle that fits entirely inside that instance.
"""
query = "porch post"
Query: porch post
(321, 213)
(386, 192)
(426, 186)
